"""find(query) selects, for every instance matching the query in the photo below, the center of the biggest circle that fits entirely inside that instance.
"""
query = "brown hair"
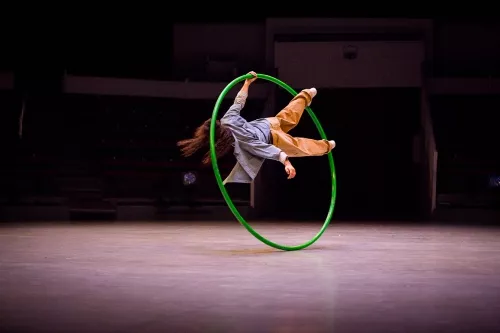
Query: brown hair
(223, 144)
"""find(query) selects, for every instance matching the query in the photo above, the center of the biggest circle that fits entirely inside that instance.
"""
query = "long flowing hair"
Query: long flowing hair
(223, 144)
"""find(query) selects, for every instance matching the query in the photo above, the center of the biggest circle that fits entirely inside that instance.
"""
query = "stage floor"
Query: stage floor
(216, 277)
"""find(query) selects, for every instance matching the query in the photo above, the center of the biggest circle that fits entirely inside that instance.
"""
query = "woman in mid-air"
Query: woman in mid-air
(258, 140)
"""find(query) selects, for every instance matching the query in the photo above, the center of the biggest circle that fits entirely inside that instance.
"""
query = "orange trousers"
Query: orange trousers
(287, 119)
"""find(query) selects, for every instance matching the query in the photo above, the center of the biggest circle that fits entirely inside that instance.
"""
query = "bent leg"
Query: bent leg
(289, 117)
(300, 147)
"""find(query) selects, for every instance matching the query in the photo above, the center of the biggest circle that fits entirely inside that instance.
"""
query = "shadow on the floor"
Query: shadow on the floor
(264, 251)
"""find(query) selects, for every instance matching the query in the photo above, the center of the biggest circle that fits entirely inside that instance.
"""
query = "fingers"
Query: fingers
(291, 173)
(254, 76)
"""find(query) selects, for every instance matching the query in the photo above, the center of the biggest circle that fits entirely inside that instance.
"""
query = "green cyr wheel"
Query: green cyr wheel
(219, 180)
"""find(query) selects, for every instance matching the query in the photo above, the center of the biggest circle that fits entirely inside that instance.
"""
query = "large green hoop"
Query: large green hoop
(219, 180)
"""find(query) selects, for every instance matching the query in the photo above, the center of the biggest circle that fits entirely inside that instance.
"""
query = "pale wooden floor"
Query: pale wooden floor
(216, 277)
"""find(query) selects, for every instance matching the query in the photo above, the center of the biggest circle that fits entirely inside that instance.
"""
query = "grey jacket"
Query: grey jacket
(252, 144)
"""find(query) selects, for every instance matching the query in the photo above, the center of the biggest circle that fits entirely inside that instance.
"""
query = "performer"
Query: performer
(253, 142)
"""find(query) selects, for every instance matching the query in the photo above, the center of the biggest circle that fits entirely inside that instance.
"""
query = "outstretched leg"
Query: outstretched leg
(289, 117)
(301, 147)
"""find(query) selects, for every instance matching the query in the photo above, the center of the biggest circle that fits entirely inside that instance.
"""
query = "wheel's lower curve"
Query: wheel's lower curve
(222, 187)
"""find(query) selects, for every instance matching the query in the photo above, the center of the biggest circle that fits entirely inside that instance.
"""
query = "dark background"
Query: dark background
(85, 156)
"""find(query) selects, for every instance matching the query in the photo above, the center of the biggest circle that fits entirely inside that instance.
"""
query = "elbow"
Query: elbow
(236, 107)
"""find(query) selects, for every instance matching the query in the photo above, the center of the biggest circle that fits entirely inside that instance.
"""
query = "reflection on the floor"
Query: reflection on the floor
(216, 277)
